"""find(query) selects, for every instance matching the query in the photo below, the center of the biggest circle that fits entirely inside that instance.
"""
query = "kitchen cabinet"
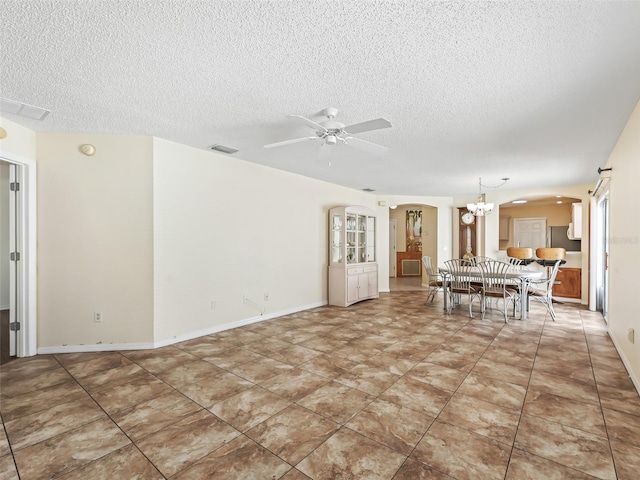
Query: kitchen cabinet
(568, 283)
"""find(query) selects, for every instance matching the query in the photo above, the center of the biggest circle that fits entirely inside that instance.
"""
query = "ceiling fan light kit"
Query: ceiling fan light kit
(331, 132)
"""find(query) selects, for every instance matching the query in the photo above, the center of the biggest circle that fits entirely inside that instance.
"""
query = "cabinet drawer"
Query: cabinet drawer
(371, 268)
(355, 271)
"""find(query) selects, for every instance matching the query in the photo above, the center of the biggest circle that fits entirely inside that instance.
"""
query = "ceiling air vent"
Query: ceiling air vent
(22, 109)
(221, 148)
(368, 190)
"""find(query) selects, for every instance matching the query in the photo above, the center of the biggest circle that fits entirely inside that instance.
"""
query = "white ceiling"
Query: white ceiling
(535, 91)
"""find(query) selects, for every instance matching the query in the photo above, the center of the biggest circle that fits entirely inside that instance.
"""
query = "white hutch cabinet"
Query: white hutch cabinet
(353, 271)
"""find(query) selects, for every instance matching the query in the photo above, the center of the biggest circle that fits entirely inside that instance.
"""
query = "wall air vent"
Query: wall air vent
(22, 109)
(221, 148)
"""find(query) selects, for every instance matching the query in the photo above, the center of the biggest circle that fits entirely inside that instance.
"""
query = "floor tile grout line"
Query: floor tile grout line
(114, 422)
(524, 400)
(604, 418)
(403, 375)
(449, 399)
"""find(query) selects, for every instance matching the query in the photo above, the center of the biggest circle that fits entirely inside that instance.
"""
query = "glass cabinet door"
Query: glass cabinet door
(371, 239)
(362, 238)
(336, 239)
(352, 241)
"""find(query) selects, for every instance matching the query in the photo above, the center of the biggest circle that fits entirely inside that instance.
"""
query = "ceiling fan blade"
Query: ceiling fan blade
(372, 148)
(308, 123)
(289, 142)
(376, 124)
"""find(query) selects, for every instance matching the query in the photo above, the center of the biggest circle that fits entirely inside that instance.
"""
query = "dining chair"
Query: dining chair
(475, 261)
(542, 290)
(434, 279)
(459, 282)
(496, 285)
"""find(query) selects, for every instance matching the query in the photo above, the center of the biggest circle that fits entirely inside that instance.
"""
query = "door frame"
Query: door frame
(26, 287)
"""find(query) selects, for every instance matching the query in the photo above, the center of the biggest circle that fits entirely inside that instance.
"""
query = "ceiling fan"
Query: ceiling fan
(331, 132)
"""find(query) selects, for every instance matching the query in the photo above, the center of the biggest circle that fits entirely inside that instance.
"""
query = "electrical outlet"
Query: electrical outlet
(245, 299)
(213, 304)
(266, 297)
(97, 317)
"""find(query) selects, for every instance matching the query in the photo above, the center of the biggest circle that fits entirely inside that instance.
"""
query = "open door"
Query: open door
(14, 258)
(602, 255)
(10, 261)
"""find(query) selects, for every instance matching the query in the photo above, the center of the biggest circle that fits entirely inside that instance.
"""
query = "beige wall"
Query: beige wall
(95, 244)
(220, 229)
(224, 228)
(624, 261)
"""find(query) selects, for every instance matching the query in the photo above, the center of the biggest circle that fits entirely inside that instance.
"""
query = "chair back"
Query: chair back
(494, 277)
(432, 274)
(523, 253)
(460, 275)
(551, 253)
(478, 259)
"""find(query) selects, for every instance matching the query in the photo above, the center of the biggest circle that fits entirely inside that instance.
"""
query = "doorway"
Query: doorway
(413, 233)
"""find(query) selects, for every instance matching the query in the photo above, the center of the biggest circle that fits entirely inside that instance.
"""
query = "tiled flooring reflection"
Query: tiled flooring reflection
(385, 389)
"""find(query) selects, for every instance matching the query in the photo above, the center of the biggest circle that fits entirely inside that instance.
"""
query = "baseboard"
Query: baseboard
(236, 324)
(112, 347)
(98, 347)
(626, 363)
(4, 307)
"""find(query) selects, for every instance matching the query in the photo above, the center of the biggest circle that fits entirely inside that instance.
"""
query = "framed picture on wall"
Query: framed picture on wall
(414, 230)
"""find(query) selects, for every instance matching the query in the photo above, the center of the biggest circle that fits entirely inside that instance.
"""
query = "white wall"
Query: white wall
(624, 244)
(95, 244)
(224, 227)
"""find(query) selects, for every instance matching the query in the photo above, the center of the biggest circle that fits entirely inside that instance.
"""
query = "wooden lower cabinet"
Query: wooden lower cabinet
(568, 283)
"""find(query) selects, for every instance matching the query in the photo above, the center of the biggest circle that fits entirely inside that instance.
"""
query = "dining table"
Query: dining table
(521, 275)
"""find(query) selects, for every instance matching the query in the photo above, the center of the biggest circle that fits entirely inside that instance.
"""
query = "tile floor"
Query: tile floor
(385, 389)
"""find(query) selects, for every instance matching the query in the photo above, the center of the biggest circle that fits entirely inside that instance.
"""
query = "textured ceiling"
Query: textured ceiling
(535, 91)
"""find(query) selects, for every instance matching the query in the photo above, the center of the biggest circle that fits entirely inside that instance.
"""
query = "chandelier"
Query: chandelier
(482, 208)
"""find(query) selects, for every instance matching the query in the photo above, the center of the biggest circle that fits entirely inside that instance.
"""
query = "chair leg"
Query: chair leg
(551, 310)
